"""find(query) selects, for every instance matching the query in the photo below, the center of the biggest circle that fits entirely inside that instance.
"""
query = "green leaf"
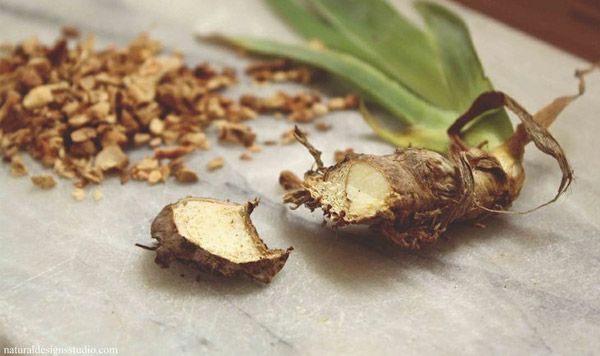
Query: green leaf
(310, 25)
(376, 86)
(376, 33)
(457, 55)
(463, 71)
(412, 136)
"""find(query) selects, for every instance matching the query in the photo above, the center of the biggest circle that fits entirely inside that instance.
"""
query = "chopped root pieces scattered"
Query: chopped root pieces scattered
(302, 107)
(215, 163)
(77, 109)
(44, 182)
(215, 236)
(279, 70)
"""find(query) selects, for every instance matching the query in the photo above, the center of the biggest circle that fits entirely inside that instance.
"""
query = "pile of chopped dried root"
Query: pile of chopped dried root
(78, 110)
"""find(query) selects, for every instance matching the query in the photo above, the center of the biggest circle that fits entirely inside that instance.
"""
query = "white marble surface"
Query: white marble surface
(70, 275)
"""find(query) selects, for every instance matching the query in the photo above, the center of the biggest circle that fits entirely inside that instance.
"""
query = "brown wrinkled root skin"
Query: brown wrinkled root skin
(427, 192)
(172, 246)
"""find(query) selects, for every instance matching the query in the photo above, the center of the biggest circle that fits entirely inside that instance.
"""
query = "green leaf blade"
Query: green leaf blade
(413, 136)
(310, 26)
(396, 46)
(464, 72)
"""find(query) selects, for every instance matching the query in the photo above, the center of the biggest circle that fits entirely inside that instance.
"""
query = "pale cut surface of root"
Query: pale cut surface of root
(367, 190)
(355, 191)
(215, 236)
(219, 228)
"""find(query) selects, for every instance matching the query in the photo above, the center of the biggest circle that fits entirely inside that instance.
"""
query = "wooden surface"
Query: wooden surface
(573, 25)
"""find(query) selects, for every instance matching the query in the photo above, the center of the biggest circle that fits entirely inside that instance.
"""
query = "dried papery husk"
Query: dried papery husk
(215, 236)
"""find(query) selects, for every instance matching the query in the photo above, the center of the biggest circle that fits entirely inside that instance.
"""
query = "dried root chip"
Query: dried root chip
(155, 176)
(38, 96)
(279, 70)
(78, 194)
(181, 172)
(111, 157)
(215, 236)
(321, 126)
(172, 152)
(254, 148)
(185, 175)
(196, 139)
(215, 163)
(289, 181)
(236, 133)
(43, 181)
(140, 139)
(17, 166)
(97, 195)
(348, 102)
(246, 156)
(70, 32)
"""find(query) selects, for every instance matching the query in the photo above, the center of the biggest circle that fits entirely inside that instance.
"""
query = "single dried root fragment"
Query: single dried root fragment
(215, 163)
(321, 126)
(185, 175)
(44, 182)
(17, 166)
(246, 156)
(97, 195)
(172, 152)
(288, 180)
(216, 237)
(78, 194)
(111, 157)
(236, 133)
(412, 195)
